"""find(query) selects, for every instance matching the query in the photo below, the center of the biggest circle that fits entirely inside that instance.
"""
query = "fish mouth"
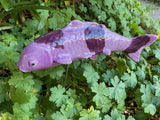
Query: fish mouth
(20, 67)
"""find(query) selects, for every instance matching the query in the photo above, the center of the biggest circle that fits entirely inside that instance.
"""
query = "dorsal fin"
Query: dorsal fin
(74, 24)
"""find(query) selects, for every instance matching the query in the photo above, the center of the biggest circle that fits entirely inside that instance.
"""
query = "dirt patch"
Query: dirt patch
(155, 7)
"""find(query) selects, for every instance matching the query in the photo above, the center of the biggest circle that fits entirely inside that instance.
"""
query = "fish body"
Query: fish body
(76, 41)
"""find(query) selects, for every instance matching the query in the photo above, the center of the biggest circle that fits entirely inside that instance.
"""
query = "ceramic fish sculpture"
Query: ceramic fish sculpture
(76, 41)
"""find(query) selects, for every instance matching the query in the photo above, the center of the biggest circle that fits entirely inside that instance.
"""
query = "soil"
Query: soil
(154, 6)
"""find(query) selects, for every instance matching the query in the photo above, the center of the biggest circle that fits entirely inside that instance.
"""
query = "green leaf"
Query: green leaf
(71, 93)
(115, 115)
(108, 3)
(6, 116)
(157, 53)
(57, 95)
(3, 95)
(117, 91)
(112, 24)
(102, 16)
(71, 108)
(16, 93)
(101, 91)
(38, 117)
(156, 68)
(83, 8)
(101, 97)
(37, 85)
(35, 14)
(31, 27)
(45, 72)
(76, 64)
(141, 115)
(126, 32)
(107, 117)
(9, 39)
(155, 101)
(140, 73)
(130, 80)
(121, 64)
(24, 110)
(90, 73)
(108, 75)
(22, 81)
(68, 110)
(149, 108)
(57, 72)
(131, 63)
(156, 85)
(93, 2)
(56, 22)
(90, 114)
(100, 62)
(3, 52)
(43, 15)
(13, 58)
(100, 57)
(4, 3)
(131, 118)
(58, 116)
(147, 93)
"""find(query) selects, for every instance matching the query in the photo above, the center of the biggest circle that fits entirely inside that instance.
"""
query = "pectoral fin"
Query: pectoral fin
(107, 51)
(64, 59)
(93, 57)
(87, 55)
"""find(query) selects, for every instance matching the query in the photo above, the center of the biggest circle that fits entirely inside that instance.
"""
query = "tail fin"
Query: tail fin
(137, 44)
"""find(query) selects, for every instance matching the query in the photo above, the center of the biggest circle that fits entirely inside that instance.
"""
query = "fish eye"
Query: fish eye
(31, 63)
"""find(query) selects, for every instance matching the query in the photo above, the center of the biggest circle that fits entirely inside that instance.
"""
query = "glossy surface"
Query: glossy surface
(76, 41)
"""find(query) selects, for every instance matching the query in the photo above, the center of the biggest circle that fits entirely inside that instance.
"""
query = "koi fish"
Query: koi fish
(76, 41)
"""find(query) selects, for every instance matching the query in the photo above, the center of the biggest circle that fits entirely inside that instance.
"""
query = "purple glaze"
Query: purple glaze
(76, 41)
(94, 36)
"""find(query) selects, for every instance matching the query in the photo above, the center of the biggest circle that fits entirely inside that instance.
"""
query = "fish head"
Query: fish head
(34, 57)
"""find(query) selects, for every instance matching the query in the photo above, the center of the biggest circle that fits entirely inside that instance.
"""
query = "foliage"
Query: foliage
(155, 1)
(104, 88)
(17, 8)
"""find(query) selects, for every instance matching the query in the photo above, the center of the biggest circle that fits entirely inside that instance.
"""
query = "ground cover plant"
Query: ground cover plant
(108, 88)
(155, 1)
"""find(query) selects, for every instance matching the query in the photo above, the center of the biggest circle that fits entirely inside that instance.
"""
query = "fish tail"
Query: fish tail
(138, 43)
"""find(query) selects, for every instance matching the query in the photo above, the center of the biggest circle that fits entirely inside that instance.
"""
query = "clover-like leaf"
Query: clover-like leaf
(19, 80)
(90, 73)
(101, 98)
(108, 75)
(130, 80)
(117, 91)
(57, 95)
(157, 53)
(90, 114)
(149, 108)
